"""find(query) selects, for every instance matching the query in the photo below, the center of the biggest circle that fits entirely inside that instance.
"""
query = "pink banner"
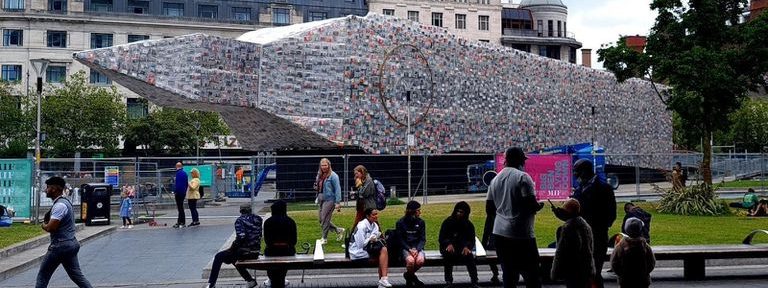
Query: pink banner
(551, 174)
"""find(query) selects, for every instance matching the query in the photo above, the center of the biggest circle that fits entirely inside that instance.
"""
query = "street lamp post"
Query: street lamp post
(40, 66)
(197, 141)
(410, 139)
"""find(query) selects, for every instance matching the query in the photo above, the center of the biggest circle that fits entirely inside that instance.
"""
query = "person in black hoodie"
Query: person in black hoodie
(280, 240)
(412, 235)
(457, 240)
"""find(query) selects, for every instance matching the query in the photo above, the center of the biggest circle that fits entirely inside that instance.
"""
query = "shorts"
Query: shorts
(406, 254)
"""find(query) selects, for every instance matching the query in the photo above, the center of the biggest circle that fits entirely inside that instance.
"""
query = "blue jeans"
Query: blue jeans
(64, 253)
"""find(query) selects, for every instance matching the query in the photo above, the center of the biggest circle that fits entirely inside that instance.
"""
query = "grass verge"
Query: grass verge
(17, 233)
(756, 184)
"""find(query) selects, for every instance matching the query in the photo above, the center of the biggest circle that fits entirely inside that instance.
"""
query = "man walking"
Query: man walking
(513, 196)
(598, 208)
(60, 222)
(180, 193)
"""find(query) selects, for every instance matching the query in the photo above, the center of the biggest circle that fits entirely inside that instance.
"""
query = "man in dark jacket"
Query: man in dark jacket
(181, 181)
(280, 239)
(457, 240)
(412, 235)
(637, 212)
(598, 208)
(246, 246)
(573, 259)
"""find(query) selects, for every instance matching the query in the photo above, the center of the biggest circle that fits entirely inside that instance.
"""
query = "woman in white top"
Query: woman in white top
(368, 231)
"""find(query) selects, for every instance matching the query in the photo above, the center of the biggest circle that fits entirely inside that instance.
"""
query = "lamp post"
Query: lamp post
(197, 141)
(410, 139)
(40, 66)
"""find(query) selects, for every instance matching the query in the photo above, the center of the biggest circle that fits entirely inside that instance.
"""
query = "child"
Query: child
(126, 207)
(632, 259)
(573, 257)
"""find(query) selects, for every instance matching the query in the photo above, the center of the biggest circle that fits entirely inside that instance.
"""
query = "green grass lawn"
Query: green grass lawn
(756, 184)
(18, 233)
(665, 229)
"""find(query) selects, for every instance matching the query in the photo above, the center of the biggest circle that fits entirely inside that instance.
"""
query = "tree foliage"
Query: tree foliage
(172, 131)
(78, 117)
(697, 200)
(16, 132)
(705, 55)
(750, 125)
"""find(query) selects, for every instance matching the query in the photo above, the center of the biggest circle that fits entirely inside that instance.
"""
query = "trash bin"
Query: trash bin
(94, 203)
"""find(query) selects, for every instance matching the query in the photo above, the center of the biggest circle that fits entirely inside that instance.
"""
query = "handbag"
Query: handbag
(374, 247)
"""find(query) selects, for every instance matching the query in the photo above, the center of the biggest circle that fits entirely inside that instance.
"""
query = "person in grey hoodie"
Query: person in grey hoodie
(632, 259)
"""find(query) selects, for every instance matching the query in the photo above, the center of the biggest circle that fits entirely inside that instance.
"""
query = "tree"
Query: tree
(78, 117)
(15, 125)
(750, 125)
(705, 55)
(172, 131)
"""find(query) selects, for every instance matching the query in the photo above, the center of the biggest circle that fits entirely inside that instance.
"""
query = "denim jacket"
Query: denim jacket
(332, 188)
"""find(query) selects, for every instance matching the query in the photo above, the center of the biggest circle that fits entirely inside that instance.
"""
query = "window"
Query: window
(11, 73)
(100, 40)
(461, 21)
(137, 38)
(553, 52)
(137, 108)
(572, 55)
(101, 5)
(388, 12)
(437, 19)
(281, 16)
(540, 27)
(241, 13)
(482, 23)
(55, 74)
(99, 79)
(138, 7)
(57, 5)
(483, 40)
(559, 29)
(173, 9)
(11, 5)
(550, 28)
(317, 16)
(13, 37)
(413, 16)
(565, 29)
(543, 50)
(57, 39)
(208, 11)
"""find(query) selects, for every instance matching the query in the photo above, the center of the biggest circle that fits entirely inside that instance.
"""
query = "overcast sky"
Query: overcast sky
(601, 21)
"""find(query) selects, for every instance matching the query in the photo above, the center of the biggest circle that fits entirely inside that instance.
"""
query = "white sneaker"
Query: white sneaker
(384, 283)
(130, 226)
(287, 283)
(323, 241)
(252, 284)
(122, 227)
(340, 233)
(267, 283)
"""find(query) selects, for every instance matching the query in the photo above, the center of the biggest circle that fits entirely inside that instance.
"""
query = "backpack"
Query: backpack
(381, 195)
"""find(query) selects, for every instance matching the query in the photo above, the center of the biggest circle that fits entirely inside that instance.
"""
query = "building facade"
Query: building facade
(55, 29)
(477, 20)
(539, 27)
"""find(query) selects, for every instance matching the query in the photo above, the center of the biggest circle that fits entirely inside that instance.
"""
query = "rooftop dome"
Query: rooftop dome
(527, 3)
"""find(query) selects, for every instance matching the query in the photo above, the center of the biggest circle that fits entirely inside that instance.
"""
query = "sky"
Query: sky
(596, 22)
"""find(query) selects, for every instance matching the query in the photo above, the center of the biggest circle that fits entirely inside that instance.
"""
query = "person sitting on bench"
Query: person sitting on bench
(367, 245)
(749, 202)
(411, 232)
(280, 239)
(247, 245)
(457, 239)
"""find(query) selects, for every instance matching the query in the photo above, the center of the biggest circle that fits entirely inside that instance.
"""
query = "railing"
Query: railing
(533, 33)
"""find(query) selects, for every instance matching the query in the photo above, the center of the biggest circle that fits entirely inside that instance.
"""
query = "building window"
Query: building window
(208, 11)
(437, 19)
(99, 40)
(55, 74)
(559, 29)
(461, 21)
(543, 50)
(540, 27)
(173, 9)
(565, 29)
(553, 52)
(101, 5)
(11, 5)
(281, 16)
(241, 13)
(138, 7)
(57, 5)
(317, 16)
(485, 41)
(550, 28)
(99, 79)
(137, 38)
(11, 73)
(13, 37)
(572, 55)
(137, 108)
(482, 23)
(388, 12)
(413, 16)
(57, 39)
